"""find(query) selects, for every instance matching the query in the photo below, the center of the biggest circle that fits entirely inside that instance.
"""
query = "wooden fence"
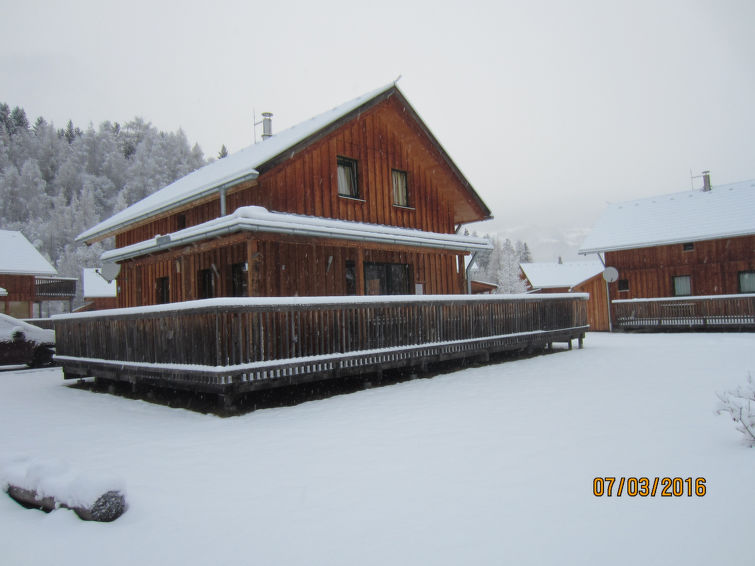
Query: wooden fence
(723, 312)
(229, 346)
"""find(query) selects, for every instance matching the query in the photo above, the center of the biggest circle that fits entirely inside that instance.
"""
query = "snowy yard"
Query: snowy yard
(492, 465)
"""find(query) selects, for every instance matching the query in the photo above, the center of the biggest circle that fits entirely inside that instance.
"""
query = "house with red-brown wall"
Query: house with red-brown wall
(359, 200)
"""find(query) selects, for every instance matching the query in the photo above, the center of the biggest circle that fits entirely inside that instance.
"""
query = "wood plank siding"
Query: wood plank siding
(713, 267)
(304, 181)
(380, 140)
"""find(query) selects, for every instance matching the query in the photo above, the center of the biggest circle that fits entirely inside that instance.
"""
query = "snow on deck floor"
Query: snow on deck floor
(490, 465)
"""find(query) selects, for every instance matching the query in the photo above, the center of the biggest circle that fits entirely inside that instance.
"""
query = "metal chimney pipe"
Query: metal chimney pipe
(706, 181)
(267, 125)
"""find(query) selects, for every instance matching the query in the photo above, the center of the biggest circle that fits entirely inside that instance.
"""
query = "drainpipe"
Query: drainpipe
(469, 268)
(222, 202)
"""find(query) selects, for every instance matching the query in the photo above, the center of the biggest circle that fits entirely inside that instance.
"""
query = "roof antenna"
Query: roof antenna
(397, 80)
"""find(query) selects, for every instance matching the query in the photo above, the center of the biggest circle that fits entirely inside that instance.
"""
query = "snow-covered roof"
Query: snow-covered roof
(19, 257)
(556, 275)
(726, 211)
(259, 219)
(235, 168)
(95, 286)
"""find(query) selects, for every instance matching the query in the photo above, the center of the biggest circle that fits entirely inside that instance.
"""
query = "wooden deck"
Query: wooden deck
(724, 312)
(231, 346)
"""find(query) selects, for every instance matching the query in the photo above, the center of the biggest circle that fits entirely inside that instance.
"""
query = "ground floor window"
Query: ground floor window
(747, 281)
(351, 277)
(387, 278)
(205, 284)
(682, 285)
(239, 280)
(162, 290)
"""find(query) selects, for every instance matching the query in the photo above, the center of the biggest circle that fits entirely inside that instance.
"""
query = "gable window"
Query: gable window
(180, 221)
(688, 247)
(162, 290)
(205, 284)
(623, 284)
(239, 280)
(400, 188)
(747, 281)
(347, 177)
(682, 285)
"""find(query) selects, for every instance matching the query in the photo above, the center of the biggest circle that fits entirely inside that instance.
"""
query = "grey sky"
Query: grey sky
(551, 109)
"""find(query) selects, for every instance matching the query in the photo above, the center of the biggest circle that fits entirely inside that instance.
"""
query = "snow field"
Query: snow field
(489, 465)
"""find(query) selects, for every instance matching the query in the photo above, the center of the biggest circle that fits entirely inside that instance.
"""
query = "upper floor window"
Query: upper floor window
(747, 281)
(682, 285)
(400, 188)
(688, 247)
(623, 284)
(347, 177)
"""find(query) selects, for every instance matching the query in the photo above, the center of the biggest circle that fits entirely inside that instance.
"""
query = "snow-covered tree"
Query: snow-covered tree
(739, 404)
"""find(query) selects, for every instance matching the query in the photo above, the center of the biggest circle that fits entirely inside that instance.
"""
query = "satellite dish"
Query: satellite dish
(110, 271)
(610, 274)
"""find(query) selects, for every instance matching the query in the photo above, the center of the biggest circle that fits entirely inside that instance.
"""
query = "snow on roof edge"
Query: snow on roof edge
(259, 219)
(248, 158)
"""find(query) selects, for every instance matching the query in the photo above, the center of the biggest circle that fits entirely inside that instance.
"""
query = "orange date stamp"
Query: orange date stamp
(648, 487)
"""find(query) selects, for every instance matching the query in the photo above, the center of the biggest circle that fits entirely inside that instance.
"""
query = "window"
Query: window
(400, 188)
(205, 284)
(162, 290)
(623, 284)
(688, 247)
(351, 277)
(347, 177)
(682, 285)
(181, 221)
(239, 280)
(747, 281)
(387, 278)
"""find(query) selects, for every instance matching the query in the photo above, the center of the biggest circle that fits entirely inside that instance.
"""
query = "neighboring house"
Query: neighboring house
(28, 279)
(359, 200)
(572, 277)
(99, 293)
(693, 244)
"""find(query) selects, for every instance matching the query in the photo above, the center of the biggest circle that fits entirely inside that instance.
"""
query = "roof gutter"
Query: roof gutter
(236, 224)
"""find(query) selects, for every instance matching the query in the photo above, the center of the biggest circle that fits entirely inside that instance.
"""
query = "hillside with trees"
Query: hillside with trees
(55, 183)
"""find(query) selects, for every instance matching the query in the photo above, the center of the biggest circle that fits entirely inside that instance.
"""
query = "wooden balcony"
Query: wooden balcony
(54, 288)
(722, 312)
(230, 346)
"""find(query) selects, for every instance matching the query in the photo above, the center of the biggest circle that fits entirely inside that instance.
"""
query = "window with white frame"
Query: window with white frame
(747, 281)
(682, 285)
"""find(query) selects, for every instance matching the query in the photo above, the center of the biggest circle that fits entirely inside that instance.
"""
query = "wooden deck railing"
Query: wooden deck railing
(55, 287)
(723, 312)
(234, 345)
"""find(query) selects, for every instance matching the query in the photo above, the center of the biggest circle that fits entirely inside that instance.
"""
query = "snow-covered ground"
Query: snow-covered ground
(491, 465)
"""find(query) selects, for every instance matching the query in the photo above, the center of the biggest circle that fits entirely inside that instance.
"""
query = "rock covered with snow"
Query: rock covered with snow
(52, 483)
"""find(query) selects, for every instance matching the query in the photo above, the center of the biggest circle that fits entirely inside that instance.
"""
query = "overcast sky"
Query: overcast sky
(551, 109)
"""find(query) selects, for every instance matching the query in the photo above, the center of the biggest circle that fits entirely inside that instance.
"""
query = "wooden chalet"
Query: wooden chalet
(572, 277)
(273, 266)
(99, 294)
(684, 260)
(361, 200)
(27, 279)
